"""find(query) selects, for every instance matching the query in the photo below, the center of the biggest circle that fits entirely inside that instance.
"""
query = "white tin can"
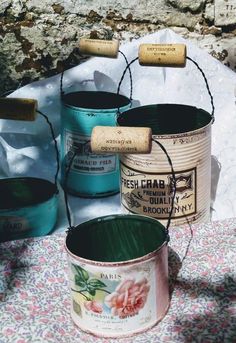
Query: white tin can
(146, 179)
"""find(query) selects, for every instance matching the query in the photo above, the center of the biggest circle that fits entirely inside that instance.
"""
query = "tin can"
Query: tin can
(28, 208)
(147, 181)
(118, 271)
(90, 175)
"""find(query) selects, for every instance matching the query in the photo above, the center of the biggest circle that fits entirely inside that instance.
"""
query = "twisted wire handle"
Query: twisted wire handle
(174, 185)
(199, 68)
(55, 144)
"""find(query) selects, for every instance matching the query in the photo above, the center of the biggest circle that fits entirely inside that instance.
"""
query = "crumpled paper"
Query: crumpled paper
(27, 149)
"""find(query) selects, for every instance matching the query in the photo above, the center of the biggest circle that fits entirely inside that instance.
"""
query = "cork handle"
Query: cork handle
(99, 47)
(163, 55)
(18, 109)
(122, 140)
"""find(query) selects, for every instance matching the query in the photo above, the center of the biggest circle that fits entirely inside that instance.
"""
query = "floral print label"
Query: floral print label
(111, 300)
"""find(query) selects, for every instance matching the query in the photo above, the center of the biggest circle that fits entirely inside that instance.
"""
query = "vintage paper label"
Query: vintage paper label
(85, 161)
(151, 193)
(113, 300)
(13, 225)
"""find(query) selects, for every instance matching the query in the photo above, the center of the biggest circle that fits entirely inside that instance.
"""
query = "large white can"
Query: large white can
(147, 181)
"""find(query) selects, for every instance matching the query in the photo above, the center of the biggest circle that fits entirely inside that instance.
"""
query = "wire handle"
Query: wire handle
(195, 63)
(174, 185)
(68, 168)
(35, 110)
(67, 171)
(55, 144)
(130, 75)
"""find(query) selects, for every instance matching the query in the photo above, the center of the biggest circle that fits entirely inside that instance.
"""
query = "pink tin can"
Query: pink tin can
(118, 272)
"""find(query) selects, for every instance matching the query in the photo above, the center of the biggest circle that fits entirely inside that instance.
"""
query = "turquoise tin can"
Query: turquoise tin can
(90, 175)
(28, 207)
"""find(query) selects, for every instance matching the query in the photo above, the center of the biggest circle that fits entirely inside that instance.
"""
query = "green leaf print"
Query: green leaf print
(91, 291)
(86, 284)
(81, 272)
(77, 308)
(80, 282)
(96, 283)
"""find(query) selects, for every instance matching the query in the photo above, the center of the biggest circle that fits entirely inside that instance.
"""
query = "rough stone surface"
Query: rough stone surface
(225, 12)
(40, 38)
(209, 13)
(188, 5)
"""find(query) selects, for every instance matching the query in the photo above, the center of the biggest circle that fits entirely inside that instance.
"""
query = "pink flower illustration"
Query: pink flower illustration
(128, 298)
(93, 306)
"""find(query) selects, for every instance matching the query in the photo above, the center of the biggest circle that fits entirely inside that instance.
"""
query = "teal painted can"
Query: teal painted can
(28, 207)
(90, 175)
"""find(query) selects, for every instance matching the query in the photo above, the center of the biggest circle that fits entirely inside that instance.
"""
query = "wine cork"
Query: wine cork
(122, 140)
(18, 109)
(162, 55)
(99, 47)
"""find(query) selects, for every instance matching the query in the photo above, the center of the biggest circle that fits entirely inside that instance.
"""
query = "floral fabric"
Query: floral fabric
(35, 295)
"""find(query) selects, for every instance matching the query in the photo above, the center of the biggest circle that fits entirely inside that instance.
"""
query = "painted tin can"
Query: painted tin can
(118, 271)
(146, 180)
(28, 208)
(90, 175)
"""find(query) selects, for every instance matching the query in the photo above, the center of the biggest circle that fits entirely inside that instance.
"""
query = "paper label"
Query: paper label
(113, 300)
(151, 193)
(85, 161)
(13, 225)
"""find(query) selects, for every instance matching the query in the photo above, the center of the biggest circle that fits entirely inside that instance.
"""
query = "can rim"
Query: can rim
(51, 191)
(123, 119)
(140, 259)
(126, 101)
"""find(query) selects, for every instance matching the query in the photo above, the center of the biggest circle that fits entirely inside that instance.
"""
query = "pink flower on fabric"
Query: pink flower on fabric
(93, 306)
(9, 332)
(128, 298)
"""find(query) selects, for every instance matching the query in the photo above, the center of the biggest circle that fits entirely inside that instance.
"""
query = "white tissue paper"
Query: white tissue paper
(27, 149)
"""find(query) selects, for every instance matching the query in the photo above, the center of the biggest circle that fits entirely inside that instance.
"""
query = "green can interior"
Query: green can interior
(116, 238)
(23, 192)
(166, 118)
(95, 100)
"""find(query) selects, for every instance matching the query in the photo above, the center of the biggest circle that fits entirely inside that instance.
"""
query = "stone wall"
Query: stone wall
(40, 37)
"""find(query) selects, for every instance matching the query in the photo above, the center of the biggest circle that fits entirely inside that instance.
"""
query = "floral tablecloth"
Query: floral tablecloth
(35, 296)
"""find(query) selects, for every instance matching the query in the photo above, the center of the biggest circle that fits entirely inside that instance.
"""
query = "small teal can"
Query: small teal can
(28, 207)
(90, 175)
